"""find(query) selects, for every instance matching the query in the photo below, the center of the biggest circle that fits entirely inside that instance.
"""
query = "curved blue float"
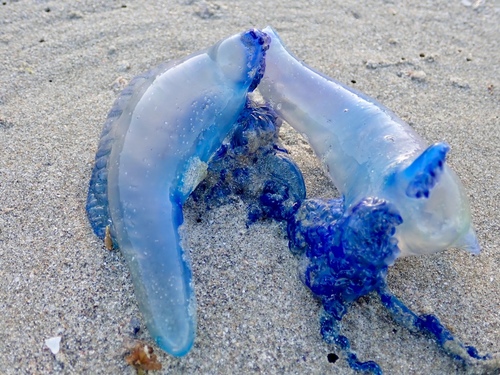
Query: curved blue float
(154, 150)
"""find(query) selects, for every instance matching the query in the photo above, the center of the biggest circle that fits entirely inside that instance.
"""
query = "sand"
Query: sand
(62, 64)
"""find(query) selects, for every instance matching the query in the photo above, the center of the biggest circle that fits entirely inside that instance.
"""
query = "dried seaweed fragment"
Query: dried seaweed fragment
(142, 358)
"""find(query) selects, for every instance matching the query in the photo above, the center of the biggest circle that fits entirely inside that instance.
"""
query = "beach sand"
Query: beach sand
(63, 63)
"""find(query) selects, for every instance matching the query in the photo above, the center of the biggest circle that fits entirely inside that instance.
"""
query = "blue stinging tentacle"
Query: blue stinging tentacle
(430, 325)
(330, 330)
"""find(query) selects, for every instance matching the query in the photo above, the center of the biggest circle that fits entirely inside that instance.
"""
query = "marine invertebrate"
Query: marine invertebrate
(369, 152)
(154, 149)
(160, 140)
(398, 198)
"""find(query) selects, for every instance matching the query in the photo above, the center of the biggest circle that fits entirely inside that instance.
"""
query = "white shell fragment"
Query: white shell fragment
(53, 344)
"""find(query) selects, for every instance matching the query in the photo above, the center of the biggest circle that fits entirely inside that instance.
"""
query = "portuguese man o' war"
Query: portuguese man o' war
(153, 152)
(368, 151)
(190, 124)
(398, 198)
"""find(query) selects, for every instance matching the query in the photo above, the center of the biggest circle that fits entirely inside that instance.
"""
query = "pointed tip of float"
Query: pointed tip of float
(271, 32)
(469, 242)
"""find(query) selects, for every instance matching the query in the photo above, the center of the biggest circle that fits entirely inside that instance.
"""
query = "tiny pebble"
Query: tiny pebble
(418, 75)
(459, 83)
(53, 344)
